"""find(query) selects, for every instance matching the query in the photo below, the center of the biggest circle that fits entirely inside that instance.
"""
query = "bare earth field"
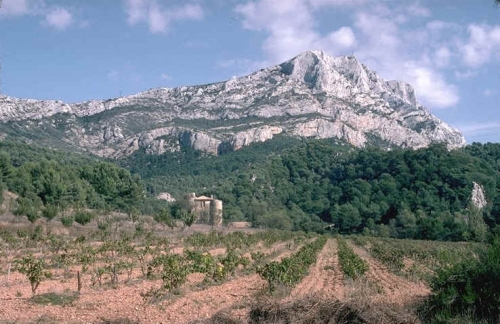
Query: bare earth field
(199, 300)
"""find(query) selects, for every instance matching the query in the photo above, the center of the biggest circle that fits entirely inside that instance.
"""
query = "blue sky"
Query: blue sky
(72, 50)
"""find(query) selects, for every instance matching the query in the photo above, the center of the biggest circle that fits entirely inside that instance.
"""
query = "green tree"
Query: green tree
(407, 224)
(274, 219)
(477, 226)
(164, 217)
(33, 268)
(346, 217)
(188, 217)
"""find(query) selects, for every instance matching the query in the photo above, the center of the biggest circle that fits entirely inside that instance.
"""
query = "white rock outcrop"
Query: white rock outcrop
(312, 95)
(478, 197)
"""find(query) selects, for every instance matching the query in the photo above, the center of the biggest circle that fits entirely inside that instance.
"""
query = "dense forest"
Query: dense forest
(285, 183)
(292, 184)
(48, 182)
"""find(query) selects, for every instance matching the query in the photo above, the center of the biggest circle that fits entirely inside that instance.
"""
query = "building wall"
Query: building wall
(207, 211)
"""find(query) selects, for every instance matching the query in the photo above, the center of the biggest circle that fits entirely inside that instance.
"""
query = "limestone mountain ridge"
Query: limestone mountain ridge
(313, 95)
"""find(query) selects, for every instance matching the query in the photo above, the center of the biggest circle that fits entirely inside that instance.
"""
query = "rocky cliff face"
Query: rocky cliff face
(312, 95)
(478, 197)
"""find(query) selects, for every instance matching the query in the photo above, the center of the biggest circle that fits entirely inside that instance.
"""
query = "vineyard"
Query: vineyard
(213, 276)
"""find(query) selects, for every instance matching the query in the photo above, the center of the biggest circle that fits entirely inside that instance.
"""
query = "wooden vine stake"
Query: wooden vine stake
(79, 281)
(8, 273)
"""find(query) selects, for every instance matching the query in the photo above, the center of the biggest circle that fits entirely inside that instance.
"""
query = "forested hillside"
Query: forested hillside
(284, 183)
(49, 181)
(421, 193)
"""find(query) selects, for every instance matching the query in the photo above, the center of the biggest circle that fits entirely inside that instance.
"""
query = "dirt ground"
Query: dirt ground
(196, 300)
(393, 289)
(382, 297)
(101, 305)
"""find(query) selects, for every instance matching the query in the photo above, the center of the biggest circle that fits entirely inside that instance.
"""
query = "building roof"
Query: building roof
(203, 198)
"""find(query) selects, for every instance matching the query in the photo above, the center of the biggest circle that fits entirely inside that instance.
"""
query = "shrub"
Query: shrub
(67, 221)
(200, 262)
(352, 265)
(164, 217)
(33, 269)
(173, 269)
(50, 211)
(229, 264)
(83, 217)
(472, 286)
(290, 271)
(28, 207)
(52, 298)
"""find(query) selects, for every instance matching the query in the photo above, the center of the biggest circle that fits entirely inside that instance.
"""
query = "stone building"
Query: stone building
(207, 209)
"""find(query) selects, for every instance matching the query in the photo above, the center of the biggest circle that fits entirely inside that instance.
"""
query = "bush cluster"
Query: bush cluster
(216, 268)
(240, 240)
(350, 263)
(429, 254)
(290, 271)
(471, 287)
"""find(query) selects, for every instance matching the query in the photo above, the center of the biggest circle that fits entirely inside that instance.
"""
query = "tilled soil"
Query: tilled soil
(99, 305)
(234, 297)
(325, 279)
(394, 289)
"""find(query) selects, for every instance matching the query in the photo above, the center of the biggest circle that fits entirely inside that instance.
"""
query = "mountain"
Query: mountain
(312, 95)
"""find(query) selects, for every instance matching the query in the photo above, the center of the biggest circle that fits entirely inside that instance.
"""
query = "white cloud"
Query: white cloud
(19, 8)
(485, 128)
(418, 10)
(431, 87)
(442, 56)
(483, 41)
(379, 36)
(487, 92)
(439, 25)
(290, 29)
(343, 38)
(382, 33)
(59, 18)
(321, 3)
(287, 36)
(398, 53)
(158, 18)
(136, 10)
(112, 75)
(468, 74)
(14, 7)
(165, 76)
(189, 11)
(158, 21)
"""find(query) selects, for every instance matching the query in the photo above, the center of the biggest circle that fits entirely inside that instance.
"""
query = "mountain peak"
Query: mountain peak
(344, 77)
(311, 95)
(325, 73)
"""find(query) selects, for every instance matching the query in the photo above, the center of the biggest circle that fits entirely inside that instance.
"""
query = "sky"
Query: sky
(75, 50)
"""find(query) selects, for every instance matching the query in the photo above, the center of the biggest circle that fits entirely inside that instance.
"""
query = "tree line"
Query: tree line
(302, 185)
(284, 183)
(48, 182)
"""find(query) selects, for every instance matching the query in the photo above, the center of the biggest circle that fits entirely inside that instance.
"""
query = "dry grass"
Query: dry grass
(315, 310)
(307, 310)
